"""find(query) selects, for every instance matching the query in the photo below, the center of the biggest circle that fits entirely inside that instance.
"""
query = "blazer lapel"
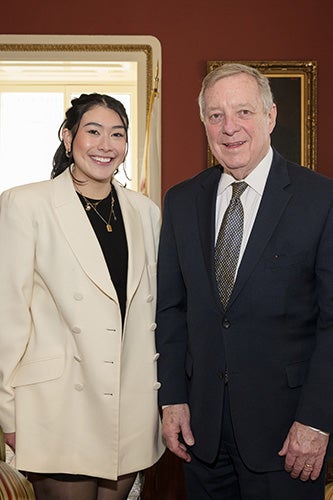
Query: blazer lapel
(80, 234)
(274, 200)
(135, 240)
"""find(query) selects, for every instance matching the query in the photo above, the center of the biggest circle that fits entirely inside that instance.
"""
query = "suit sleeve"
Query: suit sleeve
(316, 403)
(171, 334)
(16, 272)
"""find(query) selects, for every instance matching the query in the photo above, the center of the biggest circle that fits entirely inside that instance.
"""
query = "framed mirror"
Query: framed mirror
(127, 67)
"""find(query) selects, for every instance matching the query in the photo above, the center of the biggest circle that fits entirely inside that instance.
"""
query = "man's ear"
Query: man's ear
(272, 114)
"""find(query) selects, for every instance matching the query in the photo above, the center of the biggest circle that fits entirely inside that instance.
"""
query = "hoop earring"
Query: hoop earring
(68, 153)
(125, 171)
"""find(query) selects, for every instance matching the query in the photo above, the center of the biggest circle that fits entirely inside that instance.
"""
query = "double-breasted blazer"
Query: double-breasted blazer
(276, 335)
(77, 386)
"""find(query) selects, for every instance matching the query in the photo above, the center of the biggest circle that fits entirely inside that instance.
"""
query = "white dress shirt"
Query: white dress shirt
(251, 198)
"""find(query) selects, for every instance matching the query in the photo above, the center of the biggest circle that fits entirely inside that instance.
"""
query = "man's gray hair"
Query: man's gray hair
(230, 69)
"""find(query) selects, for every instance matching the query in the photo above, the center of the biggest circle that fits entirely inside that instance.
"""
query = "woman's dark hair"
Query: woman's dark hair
(81, 105)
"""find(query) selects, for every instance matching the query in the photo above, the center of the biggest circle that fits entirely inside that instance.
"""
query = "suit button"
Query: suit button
(78, 387)
(152, 327)
(78, 296)
(226, 323)
(76, 329)
(156, 356)
(156, 386)
(149, 298)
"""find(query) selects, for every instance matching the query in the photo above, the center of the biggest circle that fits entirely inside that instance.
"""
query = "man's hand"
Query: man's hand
(304, 449)
(176, 421)
(9, 439)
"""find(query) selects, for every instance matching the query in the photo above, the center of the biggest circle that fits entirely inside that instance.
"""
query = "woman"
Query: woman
(78, 388)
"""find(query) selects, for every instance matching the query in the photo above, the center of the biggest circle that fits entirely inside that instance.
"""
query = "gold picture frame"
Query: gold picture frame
(294, 87)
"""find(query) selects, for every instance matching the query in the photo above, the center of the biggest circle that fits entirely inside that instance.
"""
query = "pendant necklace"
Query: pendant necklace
(92, 205)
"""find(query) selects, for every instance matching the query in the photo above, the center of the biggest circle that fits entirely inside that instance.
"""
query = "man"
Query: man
(247, 374)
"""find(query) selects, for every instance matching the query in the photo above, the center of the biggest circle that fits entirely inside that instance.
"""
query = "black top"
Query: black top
(113, 244)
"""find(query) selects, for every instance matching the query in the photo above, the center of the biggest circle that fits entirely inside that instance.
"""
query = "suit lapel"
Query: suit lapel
(80, 234)
(206, 208)
(274, 201)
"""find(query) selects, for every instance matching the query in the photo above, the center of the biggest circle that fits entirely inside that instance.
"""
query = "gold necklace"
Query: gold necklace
(90, 204)
(93, 205)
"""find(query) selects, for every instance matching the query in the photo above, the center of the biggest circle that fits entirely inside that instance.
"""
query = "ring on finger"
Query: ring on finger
(308, 466)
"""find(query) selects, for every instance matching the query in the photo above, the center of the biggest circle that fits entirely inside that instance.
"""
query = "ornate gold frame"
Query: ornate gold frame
(82, 47)
(306, 73)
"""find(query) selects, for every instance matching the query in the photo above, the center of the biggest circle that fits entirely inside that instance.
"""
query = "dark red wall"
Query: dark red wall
(191, 35)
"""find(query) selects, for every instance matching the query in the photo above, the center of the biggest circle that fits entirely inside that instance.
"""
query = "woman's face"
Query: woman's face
(99, 146)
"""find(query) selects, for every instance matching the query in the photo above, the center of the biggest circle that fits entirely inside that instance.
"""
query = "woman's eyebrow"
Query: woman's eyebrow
(95, 124)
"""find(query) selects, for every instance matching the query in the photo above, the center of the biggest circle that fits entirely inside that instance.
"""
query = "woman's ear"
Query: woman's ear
(67, 138)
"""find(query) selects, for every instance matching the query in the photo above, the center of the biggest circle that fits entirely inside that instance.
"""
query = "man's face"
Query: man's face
(238, 129)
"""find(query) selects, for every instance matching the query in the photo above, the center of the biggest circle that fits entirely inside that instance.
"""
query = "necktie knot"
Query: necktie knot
(238, 189)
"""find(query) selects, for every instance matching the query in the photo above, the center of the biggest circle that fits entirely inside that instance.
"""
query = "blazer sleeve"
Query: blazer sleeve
(16, 271)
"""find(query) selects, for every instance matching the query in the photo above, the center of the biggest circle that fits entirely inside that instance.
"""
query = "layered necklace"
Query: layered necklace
(92, 205)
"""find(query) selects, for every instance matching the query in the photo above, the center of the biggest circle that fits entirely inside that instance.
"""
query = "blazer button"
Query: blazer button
(226, 323)
(78, 296)
(156, 386)
(156, 356)
(78, 387)
(153, 327)
(76, 329)
(113, 330)
(149, 298)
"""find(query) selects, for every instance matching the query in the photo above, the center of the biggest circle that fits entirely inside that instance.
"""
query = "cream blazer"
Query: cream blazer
(80, 393)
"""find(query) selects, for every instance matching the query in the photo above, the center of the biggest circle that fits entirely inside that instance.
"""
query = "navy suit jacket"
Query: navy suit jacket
(276, 334)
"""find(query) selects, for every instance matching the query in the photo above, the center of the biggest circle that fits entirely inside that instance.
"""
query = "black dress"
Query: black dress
(113, 243)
